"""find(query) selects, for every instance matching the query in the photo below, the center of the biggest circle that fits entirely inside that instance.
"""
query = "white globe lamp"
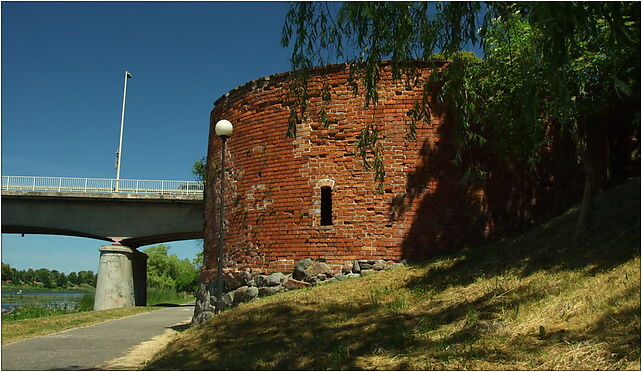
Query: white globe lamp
(223, 128)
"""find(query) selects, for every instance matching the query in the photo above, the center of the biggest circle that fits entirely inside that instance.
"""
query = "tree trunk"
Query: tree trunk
(594, 159)
(584, 218)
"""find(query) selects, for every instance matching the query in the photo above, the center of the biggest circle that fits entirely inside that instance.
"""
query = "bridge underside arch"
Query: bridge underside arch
(128, 220)
(134, 242)
(9, 229)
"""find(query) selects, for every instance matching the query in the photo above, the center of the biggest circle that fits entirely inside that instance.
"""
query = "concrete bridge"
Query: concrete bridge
(126, 213)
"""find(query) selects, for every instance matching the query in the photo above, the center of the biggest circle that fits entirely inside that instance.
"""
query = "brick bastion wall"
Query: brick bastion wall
(278, 190)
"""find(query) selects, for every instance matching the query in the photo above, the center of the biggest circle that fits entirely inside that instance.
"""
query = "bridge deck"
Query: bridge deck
(100, 185)
(132, 212)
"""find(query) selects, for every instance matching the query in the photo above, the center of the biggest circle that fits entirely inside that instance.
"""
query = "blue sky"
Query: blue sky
(62, 86)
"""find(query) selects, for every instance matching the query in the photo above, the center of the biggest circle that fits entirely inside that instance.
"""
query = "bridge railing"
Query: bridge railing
(101, 185)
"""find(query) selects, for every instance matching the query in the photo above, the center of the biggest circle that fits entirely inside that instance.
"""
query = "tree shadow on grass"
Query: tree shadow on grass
(180, 327)
(451, 216)
(163, 304)
(295, 336)
(614, 239)
(314, 335)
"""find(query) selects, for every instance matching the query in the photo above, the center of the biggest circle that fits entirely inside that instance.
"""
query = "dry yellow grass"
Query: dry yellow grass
(536, 301)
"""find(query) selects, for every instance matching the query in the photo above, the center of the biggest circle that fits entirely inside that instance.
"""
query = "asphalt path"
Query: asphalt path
(88, 347)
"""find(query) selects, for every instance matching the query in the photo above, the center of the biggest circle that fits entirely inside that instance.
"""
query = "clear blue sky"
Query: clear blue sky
(62, 86)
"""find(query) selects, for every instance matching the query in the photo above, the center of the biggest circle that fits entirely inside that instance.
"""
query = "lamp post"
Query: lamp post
(223, 129)
(122, 122)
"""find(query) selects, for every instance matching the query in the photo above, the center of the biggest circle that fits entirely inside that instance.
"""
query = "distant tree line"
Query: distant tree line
(169, 272)
(47, 278)
(163, 271)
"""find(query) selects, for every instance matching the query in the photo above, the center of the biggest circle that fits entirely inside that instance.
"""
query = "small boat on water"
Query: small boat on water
(19, 291)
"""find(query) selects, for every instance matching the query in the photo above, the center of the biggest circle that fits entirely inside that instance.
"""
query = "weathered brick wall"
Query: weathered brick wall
(273, 195)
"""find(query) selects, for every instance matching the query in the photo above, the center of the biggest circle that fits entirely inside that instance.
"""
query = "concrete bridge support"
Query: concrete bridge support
(122, 278)
(139, 267)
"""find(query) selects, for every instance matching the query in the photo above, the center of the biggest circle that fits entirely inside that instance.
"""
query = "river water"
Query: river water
(13, 298)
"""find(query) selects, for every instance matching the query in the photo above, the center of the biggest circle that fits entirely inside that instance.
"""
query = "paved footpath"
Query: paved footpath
(87, 347)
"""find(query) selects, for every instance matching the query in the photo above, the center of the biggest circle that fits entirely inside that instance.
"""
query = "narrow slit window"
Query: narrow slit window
(326, 206)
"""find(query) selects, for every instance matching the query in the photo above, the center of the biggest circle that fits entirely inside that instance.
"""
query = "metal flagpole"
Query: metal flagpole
(122, 122)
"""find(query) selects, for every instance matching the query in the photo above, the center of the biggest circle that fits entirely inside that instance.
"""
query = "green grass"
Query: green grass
(25, 287)
(86, 302)
(159, 296)
(32, 307)
(534, 301)
(33, 311)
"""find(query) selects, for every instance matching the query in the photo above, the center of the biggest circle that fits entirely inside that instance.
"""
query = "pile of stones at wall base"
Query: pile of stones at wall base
(243, 286)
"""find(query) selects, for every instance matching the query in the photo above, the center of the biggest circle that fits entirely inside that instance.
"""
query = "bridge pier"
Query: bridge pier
(122, 278)
(139, 267)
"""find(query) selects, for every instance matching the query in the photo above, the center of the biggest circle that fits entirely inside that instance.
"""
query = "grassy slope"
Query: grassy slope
(535, 301)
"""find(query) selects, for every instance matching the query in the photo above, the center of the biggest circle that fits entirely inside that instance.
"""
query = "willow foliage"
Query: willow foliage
(565, 62)
(532, 58)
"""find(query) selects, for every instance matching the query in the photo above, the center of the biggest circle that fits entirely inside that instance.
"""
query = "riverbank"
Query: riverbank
(27, 304)
(64, 299)
(22, 287)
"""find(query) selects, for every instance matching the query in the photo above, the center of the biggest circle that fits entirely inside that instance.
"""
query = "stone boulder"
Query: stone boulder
(244, 294)
(251, 293)
(275, 279)
(228, 299)
(356, 268)
(197, 307)
(291, 283)
(335, 269)
(202, 317)
(301, 268)
(308, 270)
(202, 294)
(260, 281)
(268, 291)
(346, 268)
(240, 295)
(319, 268)
(243, 277)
